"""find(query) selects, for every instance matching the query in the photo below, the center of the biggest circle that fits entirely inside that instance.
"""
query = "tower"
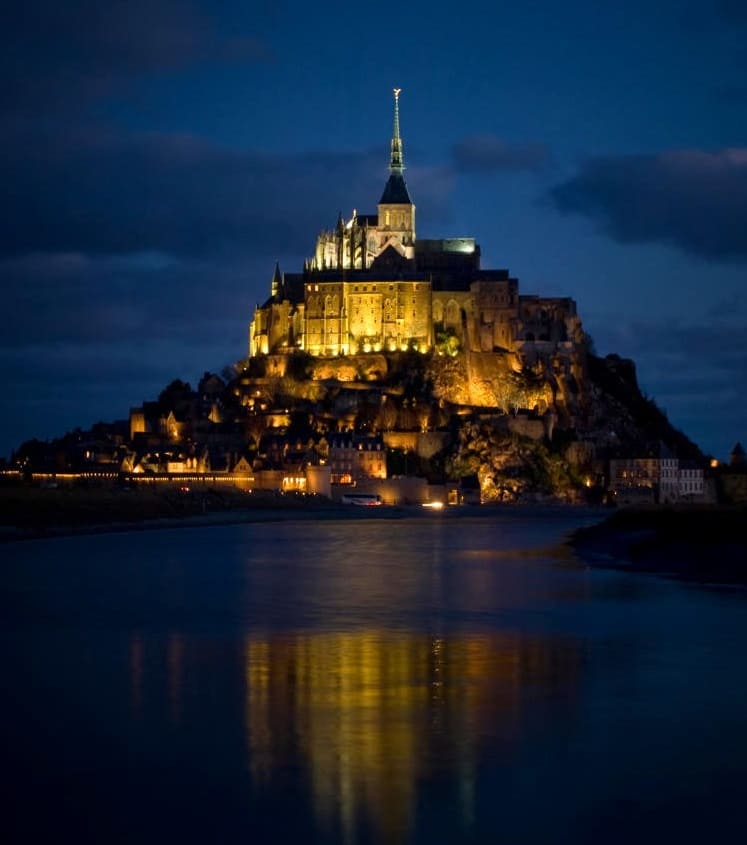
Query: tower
(396, 224)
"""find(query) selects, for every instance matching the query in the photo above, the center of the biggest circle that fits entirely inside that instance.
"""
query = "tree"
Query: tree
(387, 417)
(256, 424)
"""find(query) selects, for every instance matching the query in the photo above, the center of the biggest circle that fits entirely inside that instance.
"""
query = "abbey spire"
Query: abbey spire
(396, 209)
(396, 162)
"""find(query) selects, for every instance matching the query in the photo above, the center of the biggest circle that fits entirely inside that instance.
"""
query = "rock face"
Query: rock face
(511, 467)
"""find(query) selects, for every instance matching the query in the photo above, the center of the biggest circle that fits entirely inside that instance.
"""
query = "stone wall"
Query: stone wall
(318, 480)
(396, 491)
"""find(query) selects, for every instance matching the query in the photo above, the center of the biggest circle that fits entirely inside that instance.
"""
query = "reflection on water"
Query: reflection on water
(410, 681)
(368, 716)
(373, 713)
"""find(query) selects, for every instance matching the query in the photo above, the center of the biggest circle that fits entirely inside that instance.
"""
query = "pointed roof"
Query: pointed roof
(277, 280)
(390, 260)
(395, 190)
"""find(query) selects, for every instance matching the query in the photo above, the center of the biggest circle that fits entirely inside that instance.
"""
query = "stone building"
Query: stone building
(372, 286)
(353, 459)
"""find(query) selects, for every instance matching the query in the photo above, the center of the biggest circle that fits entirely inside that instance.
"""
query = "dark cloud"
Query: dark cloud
(694, 200)
(84, 301)
(102, 193)
(60, 55)
(486, 153)
(98, 192)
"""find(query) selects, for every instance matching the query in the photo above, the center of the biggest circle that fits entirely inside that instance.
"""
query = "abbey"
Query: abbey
(373, 286)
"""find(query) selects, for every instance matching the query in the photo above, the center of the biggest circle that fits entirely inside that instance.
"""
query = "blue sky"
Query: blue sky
(159, 156)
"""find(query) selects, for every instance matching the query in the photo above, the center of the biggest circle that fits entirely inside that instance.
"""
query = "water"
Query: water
(415, 680)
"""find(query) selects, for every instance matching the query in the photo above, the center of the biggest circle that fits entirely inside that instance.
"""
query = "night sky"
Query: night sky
(158, 156)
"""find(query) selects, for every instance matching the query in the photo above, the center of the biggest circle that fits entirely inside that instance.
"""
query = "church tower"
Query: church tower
(396, 223)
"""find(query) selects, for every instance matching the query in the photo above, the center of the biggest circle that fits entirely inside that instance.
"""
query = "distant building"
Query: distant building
(664, 479)
(691, 481)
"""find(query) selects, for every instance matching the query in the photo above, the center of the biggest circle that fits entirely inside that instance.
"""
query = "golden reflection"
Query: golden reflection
(374, 713)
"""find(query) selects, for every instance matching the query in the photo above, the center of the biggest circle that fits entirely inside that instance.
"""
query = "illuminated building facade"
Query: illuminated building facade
(353, 459)
(372, 286)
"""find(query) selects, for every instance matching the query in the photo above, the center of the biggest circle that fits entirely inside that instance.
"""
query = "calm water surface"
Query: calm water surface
(417, 680)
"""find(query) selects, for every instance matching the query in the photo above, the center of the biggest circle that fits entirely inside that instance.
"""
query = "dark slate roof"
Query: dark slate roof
(367, 219)
(391, 262)
(292, 290)
(395, 190)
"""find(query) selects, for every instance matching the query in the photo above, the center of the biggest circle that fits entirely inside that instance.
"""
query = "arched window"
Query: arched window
(438, 311)
(452, 313)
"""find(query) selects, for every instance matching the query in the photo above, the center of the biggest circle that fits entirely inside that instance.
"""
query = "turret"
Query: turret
(276, 285)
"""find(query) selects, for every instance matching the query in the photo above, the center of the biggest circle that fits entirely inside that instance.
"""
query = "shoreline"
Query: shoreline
(33, 514)
(333, 513)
